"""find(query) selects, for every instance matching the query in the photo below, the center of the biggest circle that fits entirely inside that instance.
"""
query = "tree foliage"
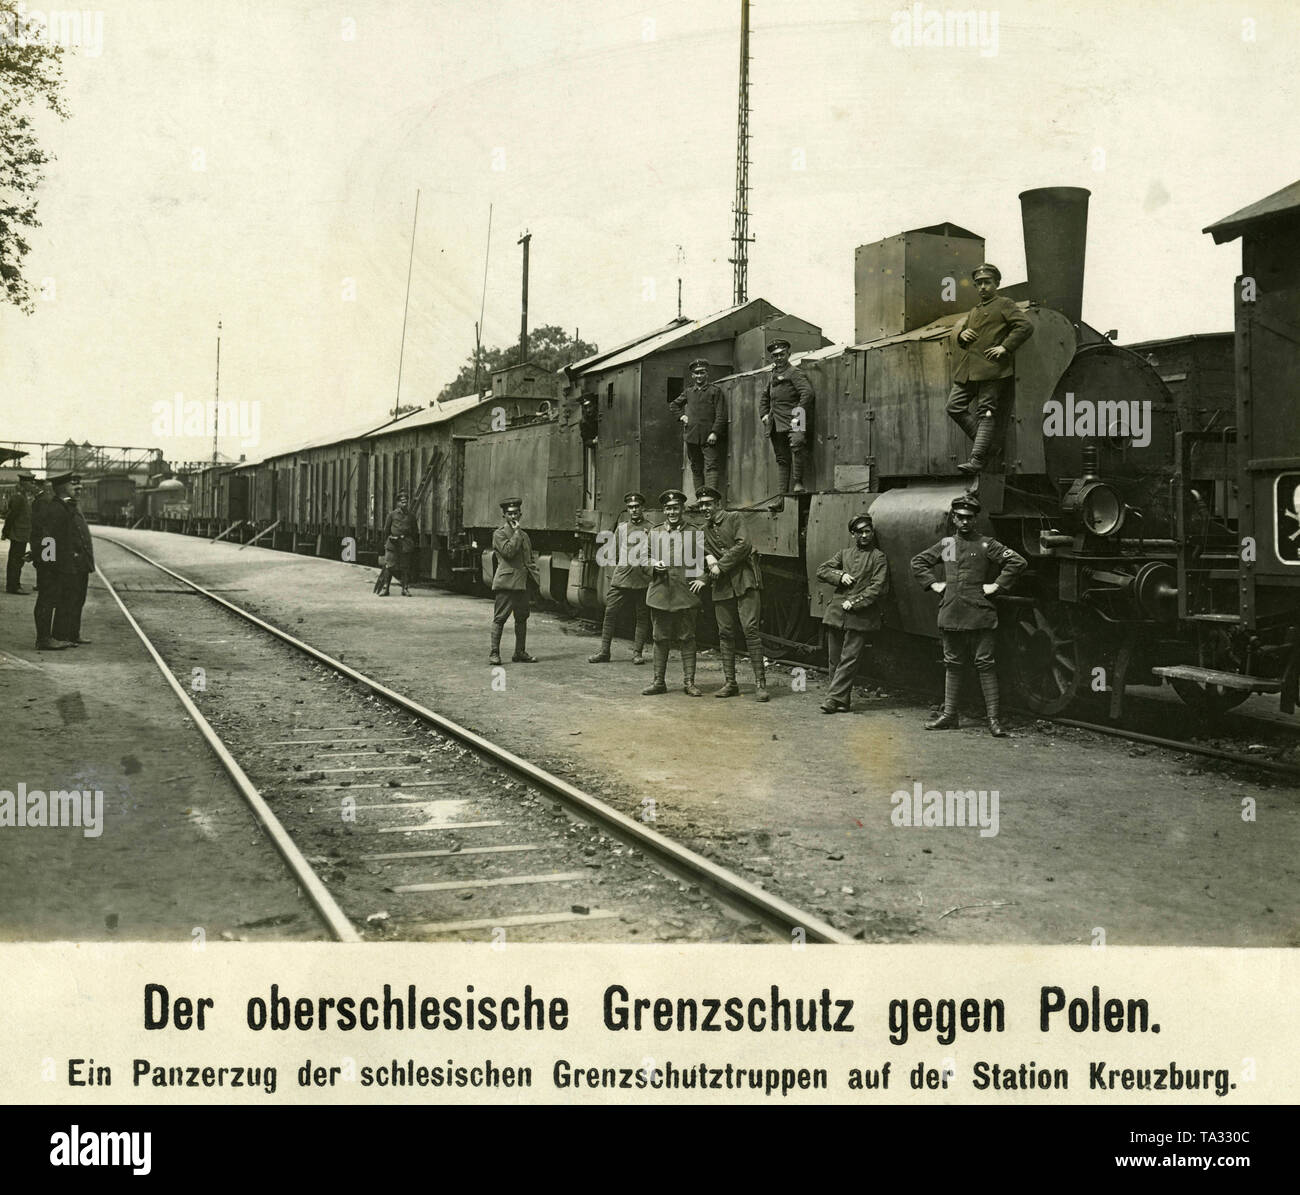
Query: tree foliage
(549, 347)
(31, 75)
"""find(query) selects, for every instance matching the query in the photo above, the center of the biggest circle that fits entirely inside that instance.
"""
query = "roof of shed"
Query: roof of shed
(1280, 203)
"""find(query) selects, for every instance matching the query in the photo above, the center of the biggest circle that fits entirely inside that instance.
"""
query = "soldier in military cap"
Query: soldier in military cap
(18, 530)
(702, 410)
(74, 558)
(630, 578)
(516, 566)
(957, 568)
(737, 586)
(986, 336)
(785, 411)
(860, 575)
(674, 603)
(401, 534)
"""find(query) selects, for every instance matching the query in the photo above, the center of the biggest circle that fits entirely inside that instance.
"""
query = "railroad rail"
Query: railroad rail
(731, 891)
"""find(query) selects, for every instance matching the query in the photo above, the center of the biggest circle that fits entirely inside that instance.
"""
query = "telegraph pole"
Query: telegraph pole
(740, 238)
(523, 317)
(216, 406)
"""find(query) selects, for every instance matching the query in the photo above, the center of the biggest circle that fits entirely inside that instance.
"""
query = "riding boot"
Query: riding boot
(729, 686)
(606, 640)
(948, 720)
(983, 440)
(661, 669)
(688, 673)
(495, 657)
(796, 471)
(760, 675)
(989, 683)
(642, 638)
(521, 655)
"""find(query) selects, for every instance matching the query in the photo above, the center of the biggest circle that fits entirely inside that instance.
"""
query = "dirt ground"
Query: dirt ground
(1093, 833)
(180, 857)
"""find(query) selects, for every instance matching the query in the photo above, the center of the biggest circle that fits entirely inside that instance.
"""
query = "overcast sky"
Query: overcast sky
(607, 128)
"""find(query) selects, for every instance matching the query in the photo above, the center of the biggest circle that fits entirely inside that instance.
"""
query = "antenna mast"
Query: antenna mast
(216, 406)
(401, 353)
(740, 238)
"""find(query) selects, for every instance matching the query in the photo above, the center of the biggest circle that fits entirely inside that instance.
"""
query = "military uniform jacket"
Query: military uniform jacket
(870, 572)
(997, 322)
(705, 411)
(725, 541)
(633, 576)
(74, 552)
(516, 561)
(403, 527)
(963, 605)
(18, 518)
(782, 394)
(669, 588)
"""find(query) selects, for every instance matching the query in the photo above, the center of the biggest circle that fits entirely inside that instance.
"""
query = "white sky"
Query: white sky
(617, 122)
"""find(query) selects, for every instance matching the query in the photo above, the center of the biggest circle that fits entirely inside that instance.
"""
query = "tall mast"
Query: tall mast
(216, 406)
(401, 352)
(523, 316)
(740, 238)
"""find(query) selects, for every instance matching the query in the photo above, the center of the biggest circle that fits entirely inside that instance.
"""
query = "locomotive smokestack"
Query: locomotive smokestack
(1055, 221)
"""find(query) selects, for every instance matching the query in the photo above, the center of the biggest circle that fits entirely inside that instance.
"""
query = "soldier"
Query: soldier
(784, 409)
(860, 574)
(674, 603)
(47, 580)
(629, 581)
(18, 530)
(702, 410)
(987, 335)
(74, 558)
(516, 565)
(401, 534)
(737, 587)
(958, 568)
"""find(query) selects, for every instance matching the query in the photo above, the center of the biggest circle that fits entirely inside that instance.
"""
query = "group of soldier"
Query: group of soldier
(44, 524)
(663, 591)
(657, 586)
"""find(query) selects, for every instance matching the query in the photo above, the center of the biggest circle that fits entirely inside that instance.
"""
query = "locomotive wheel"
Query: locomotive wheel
(1049, 657)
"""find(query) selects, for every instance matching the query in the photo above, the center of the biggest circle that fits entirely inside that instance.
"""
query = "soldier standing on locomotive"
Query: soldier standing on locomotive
(860, 574)
(957, 569)
(987, 336)
(628, 583)
(702, 410)
(784, 410)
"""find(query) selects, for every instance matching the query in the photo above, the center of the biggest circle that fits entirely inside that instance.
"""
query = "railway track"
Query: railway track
(400, 824)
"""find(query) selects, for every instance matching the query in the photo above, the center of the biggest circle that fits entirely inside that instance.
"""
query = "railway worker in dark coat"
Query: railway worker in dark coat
(47, 581)
(674, 603)
(702, 410)
(74, 558)
(18, 531)
(627, 584)
(860, 574)
(516, 565)
(986, 336)
(958, 569)
(785, 409)
(736, 584)
(401, 534)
